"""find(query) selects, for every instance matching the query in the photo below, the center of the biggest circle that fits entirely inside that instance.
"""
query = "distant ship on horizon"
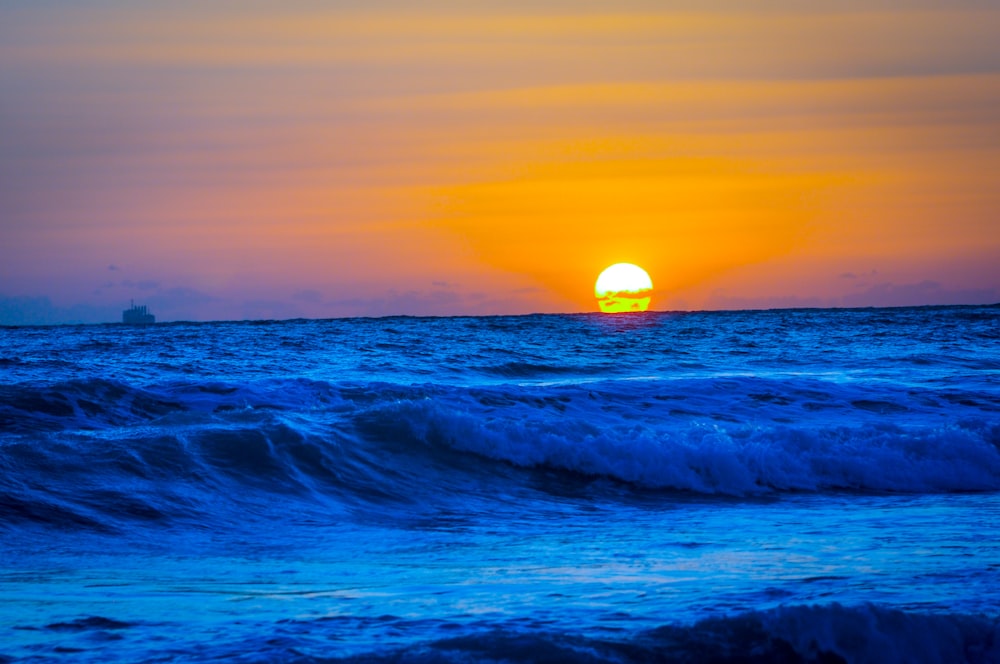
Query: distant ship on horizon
(137, 315)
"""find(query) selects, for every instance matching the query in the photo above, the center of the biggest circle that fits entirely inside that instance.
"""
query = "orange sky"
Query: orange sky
(251, 161)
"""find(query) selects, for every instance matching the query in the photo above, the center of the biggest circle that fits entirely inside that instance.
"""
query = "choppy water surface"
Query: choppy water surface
(817, 485)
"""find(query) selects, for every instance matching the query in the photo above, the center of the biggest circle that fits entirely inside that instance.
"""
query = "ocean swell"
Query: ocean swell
(820, 634)
(732, 437)
(181, 451)
(733, 459)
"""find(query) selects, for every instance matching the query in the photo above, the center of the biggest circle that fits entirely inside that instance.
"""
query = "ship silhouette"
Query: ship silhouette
(137, 315)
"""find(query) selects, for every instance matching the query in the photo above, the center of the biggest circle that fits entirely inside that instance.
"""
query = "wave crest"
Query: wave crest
(712, 458)
(825, 634)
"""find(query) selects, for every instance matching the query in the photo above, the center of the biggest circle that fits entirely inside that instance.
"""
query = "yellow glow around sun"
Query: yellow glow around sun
(623, 287)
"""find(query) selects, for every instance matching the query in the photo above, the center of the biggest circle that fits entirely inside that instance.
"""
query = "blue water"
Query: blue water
(790, 486)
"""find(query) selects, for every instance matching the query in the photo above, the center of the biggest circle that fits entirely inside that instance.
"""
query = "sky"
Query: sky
(256, 160)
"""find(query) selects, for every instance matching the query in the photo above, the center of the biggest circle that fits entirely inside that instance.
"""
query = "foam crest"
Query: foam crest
(177, 445)
(721, 458)
(832, 633)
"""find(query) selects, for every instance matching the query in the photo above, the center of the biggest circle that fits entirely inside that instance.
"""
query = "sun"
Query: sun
(623, 287)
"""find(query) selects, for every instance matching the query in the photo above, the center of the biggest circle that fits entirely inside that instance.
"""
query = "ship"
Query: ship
(137, 315)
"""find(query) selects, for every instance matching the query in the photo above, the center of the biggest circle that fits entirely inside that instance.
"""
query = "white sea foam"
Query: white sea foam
(719, 457)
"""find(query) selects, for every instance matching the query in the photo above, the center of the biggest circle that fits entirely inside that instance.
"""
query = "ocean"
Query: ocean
(761, 486)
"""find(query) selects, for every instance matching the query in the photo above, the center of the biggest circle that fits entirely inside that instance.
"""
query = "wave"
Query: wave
(733, 436)
(87, 452)
(732, 459)
(96, 404)
(85, 404)
(828, 634)
(822, 634)
(202, 474)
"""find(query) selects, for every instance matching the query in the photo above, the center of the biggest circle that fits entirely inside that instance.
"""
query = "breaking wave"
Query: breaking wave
(172, 449)
(732, 459)
(830, 634)
(821, 634)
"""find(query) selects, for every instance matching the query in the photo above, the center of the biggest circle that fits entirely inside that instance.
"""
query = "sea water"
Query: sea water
(791, 486)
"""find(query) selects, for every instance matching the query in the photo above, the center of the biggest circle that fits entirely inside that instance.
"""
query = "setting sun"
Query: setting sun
(623, 287)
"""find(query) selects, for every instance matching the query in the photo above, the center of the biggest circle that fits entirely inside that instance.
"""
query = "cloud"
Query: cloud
(142, 284)
(145, 285)
(720, 300)
(308, 296)
(405, 303)
(188, 295)
(439, 302)
(169, 304)
(855, 275)
(888, 294)
(40, 310)
(268, 309)
(26, 311)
